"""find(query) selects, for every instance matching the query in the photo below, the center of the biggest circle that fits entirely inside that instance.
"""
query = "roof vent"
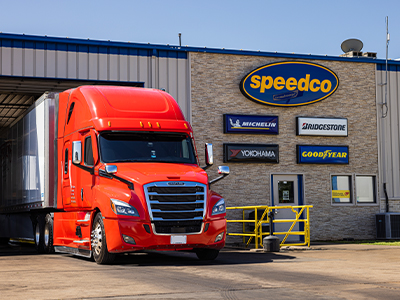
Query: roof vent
(369, 54)
(352, 54)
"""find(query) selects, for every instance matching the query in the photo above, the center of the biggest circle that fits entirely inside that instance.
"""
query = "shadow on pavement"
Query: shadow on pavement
(163, 258)
(170, 258)
(14, 249)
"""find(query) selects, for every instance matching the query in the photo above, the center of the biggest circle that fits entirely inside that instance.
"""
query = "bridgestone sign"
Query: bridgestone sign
(321, 126)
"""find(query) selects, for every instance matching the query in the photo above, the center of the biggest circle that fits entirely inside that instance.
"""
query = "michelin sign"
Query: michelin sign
(251, 124)
(289, 83)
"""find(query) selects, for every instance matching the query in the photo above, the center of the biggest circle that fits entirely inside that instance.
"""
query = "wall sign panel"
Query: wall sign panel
(251, 124)
(248, 153)
(322, 154)
(321, 126)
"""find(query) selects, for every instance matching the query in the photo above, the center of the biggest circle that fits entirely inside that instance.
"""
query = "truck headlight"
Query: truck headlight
(219, 207)
(123, 208)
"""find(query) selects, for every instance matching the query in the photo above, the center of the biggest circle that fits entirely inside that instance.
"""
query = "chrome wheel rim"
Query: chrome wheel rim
(37, 234)
(97, 239)
(46, 235)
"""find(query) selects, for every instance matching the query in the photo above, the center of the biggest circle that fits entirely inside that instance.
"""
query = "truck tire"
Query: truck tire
(99, 243)
(38, 233)
(4, 240)
(207, 254)
(48, 234)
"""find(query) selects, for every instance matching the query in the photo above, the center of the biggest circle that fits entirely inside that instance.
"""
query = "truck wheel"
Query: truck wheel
(4, 240)
(38, 233)
(99, 244)
(207, 254)
(48, 234)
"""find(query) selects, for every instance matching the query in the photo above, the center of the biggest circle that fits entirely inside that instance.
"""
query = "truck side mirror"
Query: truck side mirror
(224, 171)
(111, 169)
(76, 152)
(209, 156)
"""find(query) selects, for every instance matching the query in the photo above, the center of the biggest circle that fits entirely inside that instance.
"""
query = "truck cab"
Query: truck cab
(128, 178)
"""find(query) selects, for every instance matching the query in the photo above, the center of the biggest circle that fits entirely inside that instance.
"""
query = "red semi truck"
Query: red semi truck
(100, 170)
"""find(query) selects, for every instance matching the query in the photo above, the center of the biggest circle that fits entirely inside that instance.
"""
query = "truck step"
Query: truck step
(74, 251)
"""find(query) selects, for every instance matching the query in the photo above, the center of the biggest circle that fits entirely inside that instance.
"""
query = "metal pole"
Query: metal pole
(384, 115)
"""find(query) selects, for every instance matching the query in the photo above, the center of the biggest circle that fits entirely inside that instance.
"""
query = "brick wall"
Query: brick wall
(215, 90)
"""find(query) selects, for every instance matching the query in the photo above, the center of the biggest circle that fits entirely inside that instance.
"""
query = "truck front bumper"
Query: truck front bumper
(144, 240)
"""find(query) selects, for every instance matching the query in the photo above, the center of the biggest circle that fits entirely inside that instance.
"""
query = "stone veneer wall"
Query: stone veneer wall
(215, 90)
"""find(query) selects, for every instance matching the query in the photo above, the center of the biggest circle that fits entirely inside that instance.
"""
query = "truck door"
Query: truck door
(66, 186)
(78, 178)
(87, 174)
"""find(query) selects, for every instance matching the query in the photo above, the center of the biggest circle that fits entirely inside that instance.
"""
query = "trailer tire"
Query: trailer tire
(99, 243)
(48, 234)
(38, 233)
(207, 254)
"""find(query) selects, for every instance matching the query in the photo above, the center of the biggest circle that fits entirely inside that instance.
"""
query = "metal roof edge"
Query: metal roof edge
(77, 41)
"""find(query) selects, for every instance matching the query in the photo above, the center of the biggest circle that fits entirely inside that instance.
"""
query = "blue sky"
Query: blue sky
(302, 27)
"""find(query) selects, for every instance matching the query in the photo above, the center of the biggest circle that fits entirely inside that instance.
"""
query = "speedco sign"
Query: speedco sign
(289, 83)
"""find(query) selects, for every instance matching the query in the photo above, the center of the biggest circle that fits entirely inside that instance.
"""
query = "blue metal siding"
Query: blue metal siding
(392, 66)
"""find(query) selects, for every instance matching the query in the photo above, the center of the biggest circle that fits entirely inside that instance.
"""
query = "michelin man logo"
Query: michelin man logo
(237, 124)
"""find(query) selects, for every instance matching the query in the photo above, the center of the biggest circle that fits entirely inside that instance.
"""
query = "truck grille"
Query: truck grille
(176, 207)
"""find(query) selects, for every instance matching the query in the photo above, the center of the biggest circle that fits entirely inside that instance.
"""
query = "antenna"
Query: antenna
(180, 41)
(352, 45)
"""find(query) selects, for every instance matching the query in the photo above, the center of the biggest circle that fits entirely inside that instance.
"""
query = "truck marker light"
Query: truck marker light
(185, 125)
(109, 123)
(158, 125)
(149, 124)
(141, 124)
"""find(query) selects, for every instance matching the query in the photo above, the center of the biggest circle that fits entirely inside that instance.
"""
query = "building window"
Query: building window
(365, 189)
(341, 189)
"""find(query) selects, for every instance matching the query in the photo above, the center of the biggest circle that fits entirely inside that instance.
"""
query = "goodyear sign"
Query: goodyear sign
(289, 83)
(321, 154)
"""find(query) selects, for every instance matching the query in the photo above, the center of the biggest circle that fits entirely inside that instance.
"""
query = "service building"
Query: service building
(294, 129)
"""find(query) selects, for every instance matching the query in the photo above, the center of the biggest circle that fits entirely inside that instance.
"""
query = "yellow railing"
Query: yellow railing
(258, 233)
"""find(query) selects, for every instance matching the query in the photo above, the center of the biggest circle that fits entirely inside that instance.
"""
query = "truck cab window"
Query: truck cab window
(66, 162)
(146, 147)
(71, 109)
(88, 152)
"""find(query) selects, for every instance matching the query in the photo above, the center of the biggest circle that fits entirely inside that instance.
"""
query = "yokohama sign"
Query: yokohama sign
(321, 126)
(262, 153)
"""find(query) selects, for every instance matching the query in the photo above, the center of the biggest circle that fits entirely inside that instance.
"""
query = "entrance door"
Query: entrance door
(286, 193)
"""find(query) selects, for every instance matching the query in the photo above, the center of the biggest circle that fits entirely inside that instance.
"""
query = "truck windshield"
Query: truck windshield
(146, 147)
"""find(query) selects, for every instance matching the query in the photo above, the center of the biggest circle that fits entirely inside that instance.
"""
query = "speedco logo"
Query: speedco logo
(289, 84)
